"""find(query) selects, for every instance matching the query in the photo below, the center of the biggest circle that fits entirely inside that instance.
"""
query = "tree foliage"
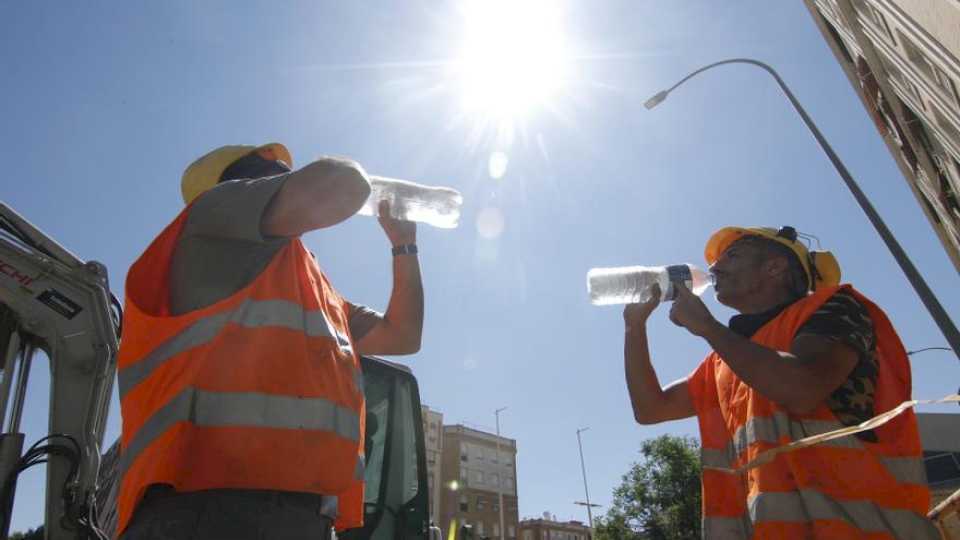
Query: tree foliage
(659, 498)
(31, 534)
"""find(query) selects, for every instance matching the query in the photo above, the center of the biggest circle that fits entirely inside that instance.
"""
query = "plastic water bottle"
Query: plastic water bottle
(633, 284)
(409, 201)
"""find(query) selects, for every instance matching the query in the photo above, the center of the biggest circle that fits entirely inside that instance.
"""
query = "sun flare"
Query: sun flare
(513, 57)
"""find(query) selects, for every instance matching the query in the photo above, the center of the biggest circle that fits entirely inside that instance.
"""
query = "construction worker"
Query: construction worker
(804, 356)
(240, 383)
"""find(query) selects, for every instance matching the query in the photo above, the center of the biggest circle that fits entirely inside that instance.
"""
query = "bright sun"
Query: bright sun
(513, 56)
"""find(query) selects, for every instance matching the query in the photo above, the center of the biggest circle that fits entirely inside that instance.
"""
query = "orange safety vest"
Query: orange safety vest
(261, 390)
(845, 488)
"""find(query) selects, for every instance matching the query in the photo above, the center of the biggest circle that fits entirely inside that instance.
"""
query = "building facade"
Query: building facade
(901, 56)
(433, 443)
(472, 473)
(940, 437)
(551, 529)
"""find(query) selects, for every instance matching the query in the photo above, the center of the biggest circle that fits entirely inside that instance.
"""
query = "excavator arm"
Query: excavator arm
(50, 300)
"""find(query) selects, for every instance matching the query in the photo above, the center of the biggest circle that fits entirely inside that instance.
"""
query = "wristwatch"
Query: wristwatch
(406, 249)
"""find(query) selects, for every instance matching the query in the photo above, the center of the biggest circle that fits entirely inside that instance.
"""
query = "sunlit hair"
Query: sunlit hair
(796, 278)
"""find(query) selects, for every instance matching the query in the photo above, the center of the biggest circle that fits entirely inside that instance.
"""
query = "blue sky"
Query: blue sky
(104, 104)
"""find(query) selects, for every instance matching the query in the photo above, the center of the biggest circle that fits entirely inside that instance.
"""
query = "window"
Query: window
(508, 481)
(496, 529)
(878, 19)
(496, 507)
(478, 476)
(945, 82)
(494, 457)
(463, 452)
(494, 479)
(913, 53)
(464, 503)
(528, 535)
(914, 93)
(479, 528)
(481, 504)
(464, 474)
(945, 124)
(511, 532)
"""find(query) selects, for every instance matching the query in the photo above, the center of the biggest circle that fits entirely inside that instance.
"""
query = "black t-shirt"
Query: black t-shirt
(842, 318)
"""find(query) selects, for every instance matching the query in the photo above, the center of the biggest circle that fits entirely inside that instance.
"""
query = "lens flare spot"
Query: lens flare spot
(490, 222)
(498, 164)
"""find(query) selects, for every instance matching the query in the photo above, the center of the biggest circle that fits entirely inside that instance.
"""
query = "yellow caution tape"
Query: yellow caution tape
(768, 455)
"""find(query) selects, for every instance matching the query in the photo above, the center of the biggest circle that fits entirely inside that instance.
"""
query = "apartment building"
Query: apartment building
(433, 442)
(901, 56)
(548, 528)
(474, 474)
(940, 437)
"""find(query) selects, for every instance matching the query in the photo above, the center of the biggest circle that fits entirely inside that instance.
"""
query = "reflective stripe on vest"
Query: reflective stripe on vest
(907, 470)
(220, 409)
(806, 505)
(250, 314)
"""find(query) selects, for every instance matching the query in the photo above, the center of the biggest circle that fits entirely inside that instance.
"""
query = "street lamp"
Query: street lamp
(930, 301)
(503, 532)
(586, 492)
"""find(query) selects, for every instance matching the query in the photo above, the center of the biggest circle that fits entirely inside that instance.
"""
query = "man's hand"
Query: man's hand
(691, 313)
(399, 232)
(636, 315)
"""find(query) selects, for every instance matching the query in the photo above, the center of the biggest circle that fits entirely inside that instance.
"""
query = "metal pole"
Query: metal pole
(503, 532)
(10, 361)
(930, 301)
(583, 469)
(20, 392)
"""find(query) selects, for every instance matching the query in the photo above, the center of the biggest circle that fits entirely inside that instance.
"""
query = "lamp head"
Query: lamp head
(655, 100)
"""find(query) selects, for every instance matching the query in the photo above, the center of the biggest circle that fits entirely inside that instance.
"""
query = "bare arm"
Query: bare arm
(319, 195)
(651, 403)
(401, 328)
(799, 380)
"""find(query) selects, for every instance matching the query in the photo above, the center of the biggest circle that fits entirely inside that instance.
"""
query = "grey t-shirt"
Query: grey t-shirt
(221, 248)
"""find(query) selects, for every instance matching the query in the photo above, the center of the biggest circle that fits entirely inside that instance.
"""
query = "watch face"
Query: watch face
(677, 273)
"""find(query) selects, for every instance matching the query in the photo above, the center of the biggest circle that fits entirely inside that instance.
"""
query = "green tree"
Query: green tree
(31, 534)
(659, 498)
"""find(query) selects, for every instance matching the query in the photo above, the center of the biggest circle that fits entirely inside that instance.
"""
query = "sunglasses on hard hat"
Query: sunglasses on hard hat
(258, 164)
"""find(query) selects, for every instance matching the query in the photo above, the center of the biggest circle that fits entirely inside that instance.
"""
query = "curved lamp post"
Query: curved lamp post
(930, 301)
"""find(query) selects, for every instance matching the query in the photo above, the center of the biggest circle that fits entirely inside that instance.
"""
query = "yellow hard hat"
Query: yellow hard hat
(205, 172)
(821, 267)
